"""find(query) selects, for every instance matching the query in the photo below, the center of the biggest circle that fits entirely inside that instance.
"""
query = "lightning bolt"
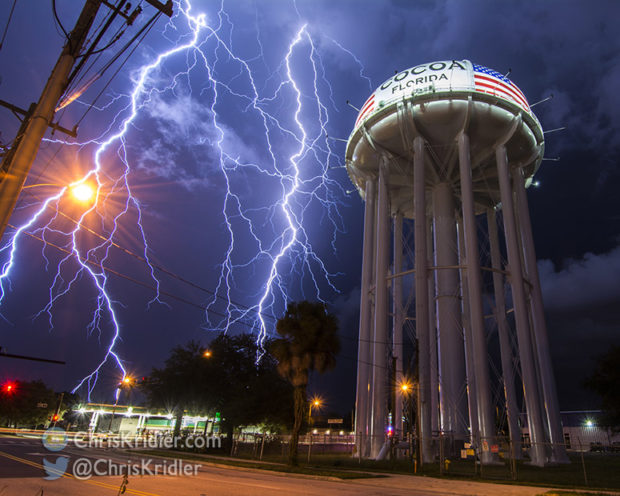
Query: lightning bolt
(294, 160)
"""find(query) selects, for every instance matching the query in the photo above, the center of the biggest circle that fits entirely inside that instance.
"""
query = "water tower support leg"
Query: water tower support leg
(450, 332)
(541, 340)
(380, 347)
(474, 281)
(469, 349)
(397, 336)
(434, 366)
(508, 372)
(530, 384)
(364, 373)
(421, 300)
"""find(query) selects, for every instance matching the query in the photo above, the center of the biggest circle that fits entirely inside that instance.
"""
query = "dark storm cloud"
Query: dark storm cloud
(593, 279)
(570, 49)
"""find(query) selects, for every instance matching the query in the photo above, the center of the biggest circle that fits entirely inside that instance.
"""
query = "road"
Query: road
(22, 474)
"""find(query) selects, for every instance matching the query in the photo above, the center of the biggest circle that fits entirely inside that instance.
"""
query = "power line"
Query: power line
(129, 278)
(6, 28)
(143, 32)
(168, 272)
(58, 21)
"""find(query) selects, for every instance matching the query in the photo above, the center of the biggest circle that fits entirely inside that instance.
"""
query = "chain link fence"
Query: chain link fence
(589, 465)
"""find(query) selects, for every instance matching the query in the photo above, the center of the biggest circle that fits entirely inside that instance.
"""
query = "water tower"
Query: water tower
(441, 153)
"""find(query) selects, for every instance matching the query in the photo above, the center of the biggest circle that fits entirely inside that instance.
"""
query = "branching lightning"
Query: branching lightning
(269, 232)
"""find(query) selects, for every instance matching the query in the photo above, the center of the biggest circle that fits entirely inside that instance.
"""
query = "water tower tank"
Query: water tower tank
(448, 144)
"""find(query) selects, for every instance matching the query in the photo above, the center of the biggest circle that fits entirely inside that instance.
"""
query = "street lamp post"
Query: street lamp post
(408, 389)
(314, 402)
(127, 382)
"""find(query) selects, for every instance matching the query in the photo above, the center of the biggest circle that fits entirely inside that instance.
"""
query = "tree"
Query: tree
(605, 381)
(26, 403)
(227, 379)
(178, 385)
(309, 341)
(245, 391)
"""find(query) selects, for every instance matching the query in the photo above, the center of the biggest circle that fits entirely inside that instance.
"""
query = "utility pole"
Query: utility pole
(19, 159)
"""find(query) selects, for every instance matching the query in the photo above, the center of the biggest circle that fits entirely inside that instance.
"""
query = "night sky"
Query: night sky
(200, 111)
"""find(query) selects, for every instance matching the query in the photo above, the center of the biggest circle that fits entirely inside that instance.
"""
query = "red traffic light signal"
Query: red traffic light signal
(54, 417)
(9, 387)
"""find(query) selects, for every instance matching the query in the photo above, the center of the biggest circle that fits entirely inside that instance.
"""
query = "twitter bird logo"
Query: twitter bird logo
(55, 470)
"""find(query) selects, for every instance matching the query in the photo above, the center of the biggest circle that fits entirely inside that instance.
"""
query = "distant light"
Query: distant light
(315, 431)
(589, 423)
(341, 433)
(207, 354)
(327, 432)
(536, 184)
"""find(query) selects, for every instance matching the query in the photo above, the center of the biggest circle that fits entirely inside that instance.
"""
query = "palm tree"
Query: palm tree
(309, 341)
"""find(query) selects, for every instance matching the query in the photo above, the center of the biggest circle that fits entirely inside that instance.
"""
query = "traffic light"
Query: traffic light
(9, 387)
(55, 417)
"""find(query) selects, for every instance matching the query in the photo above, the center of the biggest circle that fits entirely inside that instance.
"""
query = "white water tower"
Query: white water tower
(437, 152)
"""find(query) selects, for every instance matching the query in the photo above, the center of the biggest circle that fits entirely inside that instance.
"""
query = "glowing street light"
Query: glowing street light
(406, 387)
(82, 192)
(316, 402)
(207, 354)
(127, 381)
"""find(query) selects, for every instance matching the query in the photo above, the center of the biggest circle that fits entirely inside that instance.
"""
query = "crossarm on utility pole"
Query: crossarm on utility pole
(56, 127)
(164, 8)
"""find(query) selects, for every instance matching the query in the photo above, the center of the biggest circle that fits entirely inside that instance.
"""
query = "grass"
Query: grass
(303, 469)
(602, 470)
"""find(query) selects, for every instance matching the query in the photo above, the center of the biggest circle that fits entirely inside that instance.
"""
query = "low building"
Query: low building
(129, 420)
(582, 431)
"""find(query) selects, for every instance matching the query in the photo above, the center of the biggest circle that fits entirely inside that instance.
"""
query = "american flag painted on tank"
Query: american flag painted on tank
(367, 109)
(493, 83)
